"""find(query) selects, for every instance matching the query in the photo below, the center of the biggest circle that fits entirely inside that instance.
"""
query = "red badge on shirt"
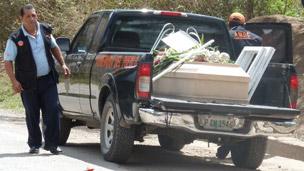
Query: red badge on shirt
(241, 35)
(20, 43)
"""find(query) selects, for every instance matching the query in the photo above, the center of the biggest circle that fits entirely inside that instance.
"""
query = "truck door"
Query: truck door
(76, 59)
(89, 90)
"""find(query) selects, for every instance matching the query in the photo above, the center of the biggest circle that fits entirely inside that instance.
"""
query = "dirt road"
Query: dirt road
(82, 152)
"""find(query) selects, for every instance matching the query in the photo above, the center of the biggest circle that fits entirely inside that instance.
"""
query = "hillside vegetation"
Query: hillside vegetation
(67, 15)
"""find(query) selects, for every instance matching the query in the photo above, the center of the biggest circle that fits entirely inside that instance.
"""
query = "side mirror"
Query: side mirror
(302, 2)
(63, 43)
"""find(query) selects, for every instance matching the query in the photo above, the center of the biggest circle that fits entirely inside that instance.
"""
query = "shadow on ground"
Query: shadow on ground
(146, 157)
(276, 148)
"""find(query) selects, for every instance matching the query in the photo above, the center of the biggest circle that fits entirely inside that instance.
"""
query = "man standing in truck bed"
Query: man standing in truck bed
(240, 36)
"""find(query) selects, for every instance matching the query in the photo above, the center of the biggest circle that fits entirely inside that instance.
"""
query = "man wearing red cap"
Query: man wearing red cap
(241, 37)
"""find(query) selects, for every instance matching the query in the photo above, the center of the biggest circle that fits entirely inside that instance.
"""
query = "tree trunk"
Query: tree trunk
(285, 7)
(229, 8)
(249, 9)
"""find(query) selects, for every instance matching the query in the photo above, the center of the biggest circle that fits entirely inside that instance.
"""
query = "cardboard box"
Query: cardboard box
(205, 82)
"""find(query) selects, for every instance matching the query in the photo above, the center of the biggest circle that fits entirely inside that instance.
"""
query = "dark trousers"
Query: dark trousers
(44, 98)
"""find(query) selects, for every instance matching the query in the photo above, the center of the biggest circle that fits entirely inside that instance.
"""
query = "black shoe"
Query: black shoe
(53, 150)
(222, 152)
(34, 150)
(46, 148)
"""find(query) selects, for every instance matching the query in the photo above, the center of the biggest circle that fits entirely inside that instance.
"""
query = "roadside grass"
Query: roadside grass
(7, 99)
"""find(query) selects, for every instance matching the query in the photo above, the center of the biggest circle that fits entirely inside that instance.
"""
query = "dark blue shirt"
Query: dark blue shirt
(242, 37)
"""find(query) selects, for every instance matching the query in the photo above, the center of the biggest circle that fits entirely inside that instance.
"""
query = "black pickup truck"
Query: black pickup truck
(111, 87)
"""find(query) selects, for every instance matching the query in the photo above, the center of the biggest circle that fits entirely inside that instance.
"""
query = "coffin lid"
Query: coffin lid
(210, 71)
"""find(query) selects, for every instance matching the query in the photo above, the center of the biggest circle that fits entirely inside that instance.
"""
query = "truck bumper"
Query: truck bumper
(183, 115)
(181, 121)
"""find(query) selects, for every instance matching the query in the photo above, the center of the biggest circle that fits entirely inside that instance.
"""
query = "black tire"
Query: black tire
(249, 153)
(172, 143)
(65, 129)
(119, 147)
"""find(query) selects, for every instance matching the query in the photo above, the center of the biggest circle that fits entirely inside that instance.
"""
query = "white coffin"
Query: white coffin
(205, 82)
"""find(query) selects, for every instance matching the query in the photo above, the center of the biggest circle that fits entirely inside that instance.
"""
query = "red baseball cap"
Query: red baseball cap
(237, 17)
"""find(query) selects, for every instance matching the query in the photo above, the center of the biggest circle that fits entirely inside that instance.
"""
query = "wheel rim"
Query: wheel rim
(109, 128)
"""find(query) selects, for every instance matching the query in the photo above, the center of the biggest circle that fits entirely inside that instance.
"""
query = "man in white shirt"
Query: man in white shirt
(31, 50)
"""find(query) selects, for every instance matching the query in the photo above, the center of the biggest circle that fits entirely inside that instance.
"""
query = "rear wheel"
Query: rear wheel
(116, 142)
(249, 153)
(65, 129)
(172, 143)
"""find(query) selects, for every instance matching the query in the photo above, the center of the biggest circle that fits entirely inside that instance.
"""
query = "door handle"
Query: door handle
(78, 63)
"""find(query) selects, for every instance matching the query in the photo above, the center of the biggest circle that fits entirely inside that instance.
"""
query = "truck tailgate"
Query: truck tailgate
(248, 111)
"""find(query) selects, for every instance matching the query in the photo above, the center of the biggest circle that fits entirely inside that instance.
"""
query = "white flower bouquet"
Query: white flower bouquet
(164, 58)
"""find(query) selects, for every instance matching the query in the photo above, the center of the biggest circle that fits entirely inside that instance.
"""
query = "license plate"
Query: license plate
(217, 122)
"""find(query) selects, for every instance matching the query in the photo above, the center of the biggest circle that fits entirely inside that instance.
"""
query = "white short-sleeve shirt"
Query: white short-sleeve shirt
(38, 49)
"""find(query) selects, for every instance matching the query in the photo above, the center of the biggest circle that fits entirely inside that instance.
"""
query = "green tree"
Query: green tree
(66, 16)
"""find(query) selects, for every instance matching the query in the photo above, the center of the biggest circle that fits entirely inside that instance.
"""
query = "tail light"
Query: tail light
(293, 85)
(143, 81)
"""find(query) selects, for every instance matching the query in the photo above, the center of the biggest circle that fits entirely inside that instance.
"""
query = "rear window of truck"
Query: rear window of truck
(141, 31)
(277, 35)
